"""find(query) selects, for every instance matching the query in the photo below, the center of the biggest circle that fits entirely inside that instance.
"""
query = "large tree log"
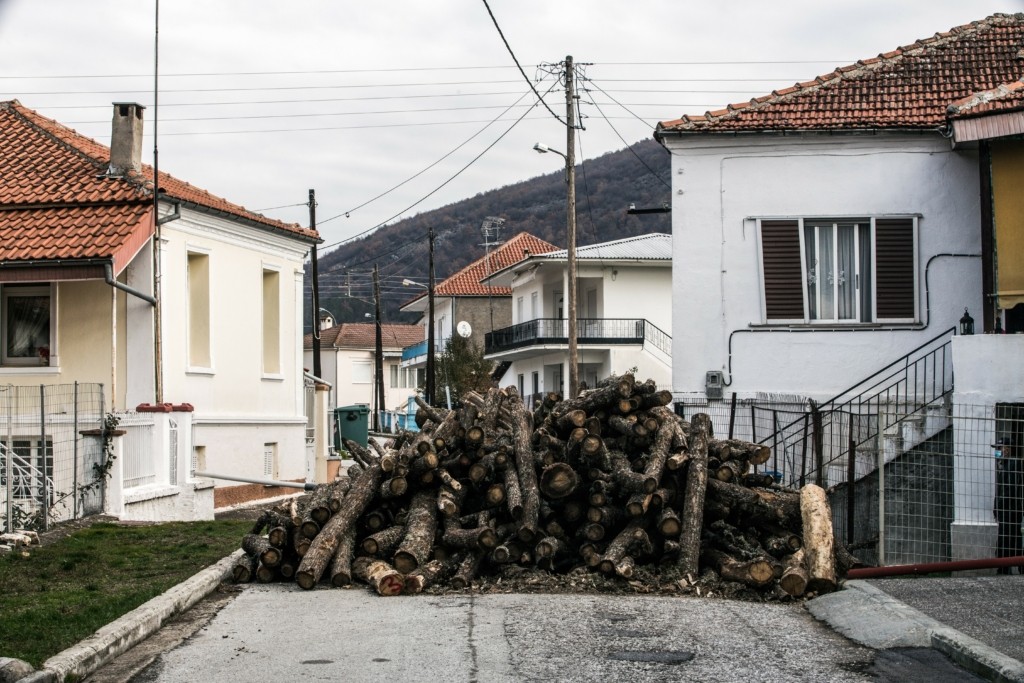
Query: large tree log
(513, 494)
(819, 548)
(379, 574)
(421, 525)
(259, 547)
(341, 563)
(794, 576)
(757, 572)
(558, 480)
(746, 507)
(321, 550)
(429, 574)
(244, 569)
(521, 430)
(659, 454)
(693, 496)
(383, 543)
(619, 546)
(737, 449)
(468, 569)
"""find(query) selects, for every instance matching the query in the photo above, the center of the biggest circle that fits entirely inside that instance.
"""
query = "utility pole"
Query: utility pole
(570, 176)
(315, 277)
(430, 331)
(378, 406)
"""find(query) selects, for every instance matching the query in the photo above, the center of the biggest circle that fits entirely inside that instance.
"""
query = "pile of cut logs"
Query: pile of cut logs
(610, 480)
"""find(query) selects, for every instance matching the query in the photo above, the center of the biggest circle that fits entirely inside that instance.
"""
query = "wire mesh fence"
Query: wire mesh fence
(908, 482)
(46, 463)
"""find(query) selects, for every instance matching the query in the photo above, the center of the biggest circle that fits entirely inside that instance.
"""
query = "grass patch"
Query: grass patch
(64, 591)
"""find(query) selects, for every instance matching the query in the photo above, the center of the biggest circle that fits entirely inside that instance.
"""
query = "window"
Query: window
(25, 324)
(521, 385)
(839, 270)
(394, 376)
(362, 371)
(519, 310)
(270, 460)
(199, 310)
(533, 306)
(271, 322)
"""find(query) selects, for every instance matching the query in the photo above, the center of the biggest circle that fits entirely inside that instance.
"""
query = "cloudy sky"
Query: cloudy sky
(388, 109)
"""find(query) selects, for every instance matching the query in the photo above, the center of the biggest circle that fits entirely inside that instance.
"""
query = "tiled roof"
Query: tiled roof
(466, 282)
(652, 247)
(364, 336)
(908, 88)
(1004, 98)
(57, 203)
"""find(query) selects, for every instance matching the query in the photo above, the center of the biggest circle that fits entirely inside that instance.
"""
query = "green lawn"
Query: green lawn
(62, 592)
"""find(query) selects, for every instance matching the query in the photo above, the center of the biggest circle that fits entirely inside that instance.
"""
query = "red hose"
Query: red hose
(933, 567)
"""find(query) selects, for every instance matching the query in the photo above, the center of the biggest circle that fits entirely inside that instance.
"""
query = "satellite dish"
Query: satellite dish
(463, 329)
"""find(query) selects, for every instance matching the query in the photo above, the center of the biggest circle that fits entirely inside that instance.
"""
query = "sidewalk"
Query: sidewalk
(976, 621)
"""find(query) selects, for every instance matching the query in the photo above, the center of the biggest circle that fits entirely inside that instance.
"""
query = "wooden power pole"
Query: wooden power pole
(315, 279)
(570, 176)
(378, 404)
(430, 331)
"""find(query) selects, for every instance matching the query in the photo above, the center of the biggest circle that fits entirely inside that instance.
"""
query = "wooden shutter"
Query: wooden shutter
(783, 276)
(894, 269)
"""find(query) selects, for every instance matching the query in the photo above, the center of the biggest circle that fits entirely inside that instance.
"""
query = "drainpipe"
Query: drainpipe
(251, 480)
(108, 277)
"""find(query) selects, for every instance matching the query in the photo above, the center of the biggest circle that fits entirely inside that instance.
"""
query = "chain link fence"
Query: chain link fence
(49, 470)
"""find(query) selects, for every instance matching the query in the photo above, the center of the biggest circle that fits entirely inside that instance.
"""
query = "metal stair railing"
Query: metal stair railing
(825, 440)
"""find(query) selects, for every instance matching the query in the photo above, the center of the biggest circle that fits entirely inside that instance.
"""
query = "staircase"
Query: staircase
(874, 421)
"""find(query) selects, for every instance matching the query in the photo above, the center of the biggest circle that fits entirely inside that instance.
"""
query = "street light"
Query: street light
(410, 283)
(570, 219)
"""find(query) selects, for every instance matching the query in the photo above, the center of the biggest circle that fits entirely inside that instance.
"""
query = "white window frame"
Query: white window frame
(831, 322)
(368, 372)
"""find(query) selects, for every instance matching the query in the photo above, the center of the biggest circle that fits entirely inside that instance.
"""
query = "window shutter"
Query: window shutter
(894, 269)
(783, 276)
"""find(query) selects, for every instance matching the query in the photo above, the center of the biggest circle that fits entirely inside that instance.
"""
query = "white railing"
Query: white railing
(140, 467)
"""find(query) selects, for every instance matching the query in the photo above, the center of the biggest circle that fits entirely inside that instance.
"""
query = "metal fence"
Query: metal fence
(936, 483)
(46, 463)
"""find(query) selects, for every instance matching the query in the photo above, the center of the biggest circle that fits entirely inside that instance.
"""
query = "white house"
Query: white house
(347, 360)
(203, 337)
(623, 321)
(464, 297)
(842, 227)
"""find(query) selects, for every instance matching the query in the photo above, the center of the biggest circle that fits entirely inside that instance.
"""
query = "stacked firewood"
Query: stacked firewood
(611, 480)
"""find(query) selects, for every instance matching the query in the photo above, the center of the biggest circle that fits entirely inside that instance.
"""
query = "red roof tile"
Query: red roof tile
(57, 203)
(364, 336)
(466, 282)
(1004, 98)
(907, 88)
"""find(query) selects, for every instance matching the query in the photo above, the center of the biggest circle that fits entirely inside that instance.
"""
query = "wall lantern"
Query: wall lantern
(966, 324)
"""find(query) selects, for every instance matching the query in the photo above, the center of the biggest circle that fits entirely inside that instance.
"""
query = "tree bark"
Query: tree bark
(558, 480)
(383, 543)
(527, 473)
(757, 572)
(421, 526)
(341, 563)
(819, 548)
(794, 576)
(693, 496)
(379, 574)
(321, 550)
(244, 570)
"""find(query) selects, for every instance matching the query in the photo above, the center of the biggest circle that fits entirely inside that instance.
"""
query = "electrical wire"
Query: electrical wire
(519, 66)
(442, 185)
(427, 168)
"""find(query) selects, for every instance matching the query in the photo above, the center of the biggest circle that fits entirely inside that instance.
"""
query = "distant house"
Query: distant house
(829, 241)
(623, 290)
(347, 358)
(204, 335)
(464, 297)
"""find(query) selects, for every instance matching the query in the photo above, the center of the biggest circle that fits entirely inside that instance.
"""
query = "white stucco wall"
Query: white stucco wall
(239, 406)
(721, 184)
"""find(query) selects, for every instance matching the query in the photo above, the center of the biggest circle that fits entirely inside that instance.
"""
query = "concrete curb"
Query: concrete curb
(872, 617)
(117, 637)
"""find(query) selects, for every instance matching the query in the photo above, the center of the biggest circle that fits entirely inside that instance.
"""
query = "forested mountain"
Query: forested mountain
(605, 188)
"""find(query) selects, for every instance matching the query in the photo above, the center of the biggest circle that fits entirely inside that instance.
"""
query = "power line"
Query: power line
(513, 55)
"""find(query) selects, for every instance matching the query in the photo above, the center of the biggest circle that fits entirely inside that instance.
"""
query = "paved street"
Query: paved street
(280, 632)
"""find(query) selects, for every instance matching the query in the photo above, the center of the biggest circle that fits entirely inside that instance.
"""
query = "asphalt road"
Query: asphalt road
(279, 632)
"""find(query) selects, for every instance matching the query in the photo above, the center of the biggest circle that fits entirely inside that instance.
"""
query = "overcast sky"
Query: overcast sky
(260, 101)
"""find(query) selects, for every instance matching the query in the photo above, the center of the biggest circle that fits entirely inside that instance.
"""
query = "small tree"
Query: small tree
(462, 367)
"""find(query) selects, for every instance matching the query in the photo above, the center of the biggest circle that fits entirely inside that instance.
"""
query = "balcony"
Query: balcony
(415, 351)
(590, 332)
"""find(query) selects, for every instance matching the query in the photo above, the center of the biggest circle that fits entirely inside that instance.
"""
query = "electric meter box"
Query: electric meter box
(714, 384)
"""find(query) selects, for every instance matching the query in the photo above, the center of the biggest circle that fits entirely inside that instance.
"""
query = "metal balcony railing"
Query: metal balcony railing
(590, 331)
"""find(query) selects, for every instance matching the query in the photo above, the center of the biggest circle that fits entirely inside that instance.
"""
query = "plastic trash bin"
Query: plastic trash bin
(350, 422)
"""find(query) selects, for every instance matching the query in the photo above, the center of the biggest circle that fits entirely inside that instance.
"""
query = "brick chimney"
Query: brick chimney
(126, 139)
